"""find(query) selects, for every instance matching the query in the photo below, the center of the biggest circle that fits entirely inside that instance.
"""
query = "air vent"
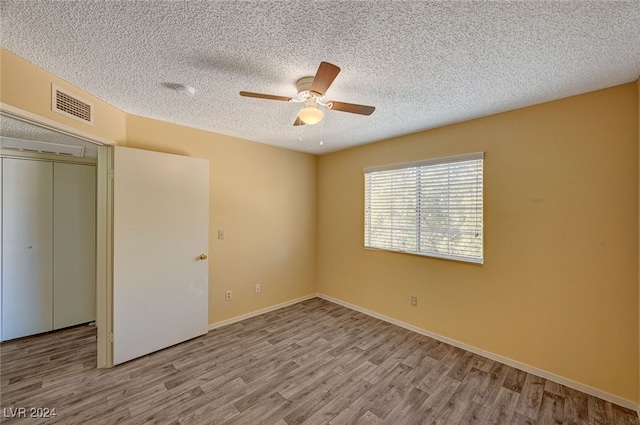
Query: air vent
(70, 105)
(40, 147)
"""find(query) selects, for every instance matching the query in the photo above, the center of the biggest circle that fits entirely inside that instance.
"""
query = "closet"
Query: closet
(48, 245)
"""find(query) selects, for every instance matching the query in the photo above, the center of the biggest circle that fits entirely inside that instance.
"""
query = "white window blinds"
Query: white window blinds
(431, 207)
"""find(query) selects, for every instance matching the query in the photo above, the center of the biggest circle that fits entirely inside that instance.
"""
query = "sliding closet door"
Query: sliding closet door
(160, 231)
(74, 253)
(27, 247)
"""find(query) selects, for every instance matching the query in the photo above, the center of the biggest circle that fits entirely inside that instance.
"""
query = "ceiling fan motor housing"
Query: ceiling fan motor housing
(310, 98)
(304, 84)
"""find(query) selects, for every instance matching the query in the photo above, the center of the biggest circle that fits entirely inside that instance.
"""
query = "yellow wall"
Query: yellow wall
(264, 198)
(28, 87)
(559, 287)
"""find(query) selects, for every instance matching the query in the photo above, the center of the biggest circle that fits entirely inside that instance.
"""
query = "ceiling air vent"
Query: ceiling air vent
(40, 147)
(70, 105)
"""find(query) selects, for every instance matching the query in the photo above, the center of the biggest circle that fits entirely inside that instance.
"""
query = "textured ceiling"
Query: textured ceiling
(421, 64)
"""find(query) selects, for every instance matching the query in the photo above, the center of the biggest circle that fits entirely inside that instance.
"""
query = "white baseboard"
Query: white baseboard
(259, 312)
(510, 362)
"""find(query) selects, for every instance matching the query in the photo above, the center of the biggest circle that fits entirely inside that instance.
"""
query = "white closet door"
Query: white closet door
(74, 244)
(27, 244)
(160, 229)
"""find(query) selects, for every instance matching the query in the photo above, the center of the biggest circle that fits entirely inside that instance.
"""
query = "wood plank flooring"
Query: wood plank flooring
(311, 363)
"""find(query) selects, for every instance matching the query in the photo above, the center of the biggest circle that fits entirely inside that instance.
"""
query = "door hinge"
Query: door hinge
(110, 173)
(110, 337)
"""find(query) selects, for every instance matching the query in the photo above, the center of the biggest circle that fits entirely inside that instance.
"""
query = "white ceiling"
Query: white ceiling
(421, 64)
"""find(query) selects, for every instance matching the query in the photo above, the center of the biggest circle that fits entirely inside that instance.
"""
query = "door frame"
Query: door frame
(104, 230)
(104, 256)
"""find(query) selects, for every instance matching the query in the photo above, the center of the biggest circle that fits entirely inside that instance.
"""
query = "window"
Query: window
(431, 207)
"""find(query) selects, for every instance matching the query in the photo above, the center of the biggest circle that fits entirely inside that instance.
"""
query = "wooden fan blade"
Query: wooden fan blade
(298, 121)
(264, 96)
(352, 108)
(325, 75)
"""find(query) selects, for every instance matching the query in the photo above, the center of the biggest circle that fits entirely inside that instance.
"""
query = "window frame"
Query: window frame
(417, 232)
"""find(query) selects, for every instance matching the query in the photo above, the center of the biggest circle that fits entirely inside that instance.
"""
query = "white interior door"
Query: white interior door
(160, 229)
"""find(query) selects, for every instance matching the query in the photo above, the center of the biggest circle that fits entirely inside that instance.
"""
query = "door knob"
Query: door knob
(203, 256)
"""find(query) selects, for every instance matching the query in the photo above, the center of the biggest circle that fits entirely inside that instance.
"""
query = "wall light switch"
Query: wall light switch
(221, 234)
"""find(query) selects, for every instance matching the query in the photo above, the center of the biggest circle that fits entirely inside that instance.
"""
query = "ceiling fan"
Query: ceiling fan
(311, 92)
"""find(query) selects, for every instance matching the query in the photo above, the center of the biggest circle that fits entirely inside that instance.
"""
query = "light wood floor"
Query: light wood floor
(311, 363)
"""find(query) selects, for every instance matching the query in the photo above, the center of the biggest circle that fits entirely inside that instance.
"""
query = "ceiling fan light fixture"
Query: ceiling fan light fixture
(311, 115)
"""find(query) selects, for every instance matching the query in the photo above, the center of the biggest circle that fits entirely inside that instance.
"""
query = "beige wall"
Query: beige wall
(559, 287)
(28, 87)
(264, 198)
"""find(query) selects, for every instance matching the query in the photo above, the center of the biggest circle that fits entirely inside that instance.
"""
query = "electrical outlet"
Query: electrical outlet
(414, 300)
(258, 289)
(220, 234)
(227, 295)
